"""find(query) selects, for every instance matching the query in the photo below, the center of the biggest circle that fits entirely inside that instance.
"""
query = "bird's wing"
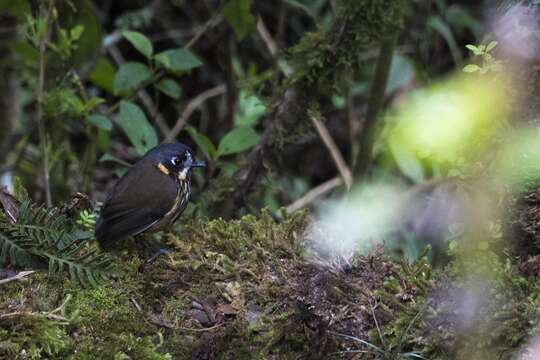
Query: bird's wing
(140, 199)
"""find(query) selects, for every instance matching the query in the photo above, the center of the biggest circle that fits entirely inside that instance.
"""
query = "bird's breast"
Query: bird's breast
(180, 202)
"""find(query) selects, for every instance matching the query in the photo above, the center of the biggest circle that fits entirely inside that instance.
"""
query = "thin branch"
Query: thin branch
(213, 21)
(314, 194)
(267, 38)
(375, 104)
(18, 276)
(61, 308)
(273, 48)
(39, 96)
(191, 107)
(340, 163)
(32, 314)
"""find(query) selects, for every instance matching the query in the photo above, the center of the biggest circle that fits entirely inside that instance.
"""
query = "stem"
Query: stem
(39, 96)
(366, 138)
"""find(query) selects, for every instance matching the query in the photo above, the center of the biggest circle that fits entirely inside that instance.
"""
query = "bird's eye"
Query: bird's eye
(175, 161)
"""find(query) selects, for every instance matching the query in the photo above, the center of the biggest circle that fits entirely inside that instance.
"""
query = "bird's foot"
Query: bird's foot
(161, 251)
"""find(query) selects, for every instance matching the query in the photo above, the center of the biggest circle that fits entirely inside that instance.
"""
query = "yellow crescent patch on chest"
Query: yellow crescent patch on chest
(163, 169)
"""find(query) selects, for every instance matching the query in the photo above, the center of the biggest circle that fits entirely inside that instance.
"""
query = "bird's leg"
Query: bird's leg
(158, 253)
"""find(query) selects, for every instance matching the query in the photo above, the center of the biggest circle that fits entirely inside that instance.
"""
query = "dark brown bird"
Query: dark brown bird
(150, 196)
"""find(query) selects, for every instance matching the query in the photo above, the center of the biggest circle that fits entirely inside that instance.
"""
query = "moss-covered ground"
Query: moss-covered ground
(246, 289)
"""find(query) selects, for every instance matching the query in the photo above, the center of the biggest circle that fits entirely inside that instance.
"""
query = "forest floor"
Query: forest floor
(248, 289)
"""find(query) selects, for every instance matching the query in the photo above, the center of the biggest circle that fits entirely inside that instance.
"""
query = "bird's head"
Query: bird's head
(175, 160)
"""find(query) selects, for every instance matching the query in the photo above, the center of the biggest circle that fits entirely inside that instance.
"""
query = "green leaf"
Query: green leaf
(473, 48)
(491, 46)
(103, 74)
(250, 109)
(237, 140)
(203, 142)
(140, 42)
(76, 32)
(100, 121)
(238, 15)
(92, 103)
(170, 88)
(130, 77)
(471, 68)
(178, 60)
(407, 163)
(19, 8)
(136, 126)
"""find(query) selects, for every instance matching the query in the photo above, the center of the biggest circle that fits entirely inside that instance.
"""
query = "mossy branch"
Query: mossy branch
(321, 60)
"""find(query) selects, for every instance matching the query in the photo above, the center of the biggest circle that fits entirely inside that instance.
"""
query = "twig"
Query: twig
(273, 47)
(191, 107)
(39, 96)
(267, 38)
(136, 304)
(340, 163)
(32, 314)
(377, 325)
(18, 276)
(61, 307)
(215, 20)
(314, 194)
(366, 138)
(201, 329)
(142, 94)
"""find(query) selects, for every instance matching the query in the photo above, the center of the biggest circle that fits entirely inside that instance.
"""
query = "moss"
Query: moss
(479, 304)
(245, 289)
(325, 56)
(33, 337)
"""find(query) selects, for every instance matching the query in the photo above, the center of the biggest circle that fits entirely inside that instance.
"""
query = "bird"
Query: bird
(150, 196)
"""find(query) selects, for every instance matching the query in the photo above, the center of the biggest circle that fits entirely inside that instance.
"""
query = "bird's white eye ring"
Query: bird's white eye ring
(175, 161)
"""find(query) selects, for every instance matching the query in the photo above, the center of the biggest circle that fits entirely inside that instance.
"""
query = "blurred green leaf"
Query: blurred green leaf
(250, 109)
(76, 32)
(88, 43)
(170, 88)
(136, 126)
(491, 46)
(203, 142)
(471, 68)
(140, 42)
(25, 50)
(130, 76)
(178, 60)
(237, 140)
(91, 103)
(238, 15)
(103, 140)
(19, 8)
(100, 121)
(103, 74)
(407, 163)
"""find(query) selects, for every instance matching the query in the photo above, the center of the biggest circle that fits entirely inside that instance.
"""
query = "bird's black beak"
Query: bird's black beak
(198, 163)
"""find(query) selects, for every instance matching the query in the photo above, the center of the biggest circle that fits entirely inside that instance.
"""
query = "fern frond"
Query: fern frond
(44, 238)
(16, 252)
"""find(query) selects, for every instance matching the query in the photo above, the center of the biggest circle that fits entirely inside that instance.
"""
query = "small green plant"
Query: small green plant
(488, 61)
(87, 220)
(44, 238)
